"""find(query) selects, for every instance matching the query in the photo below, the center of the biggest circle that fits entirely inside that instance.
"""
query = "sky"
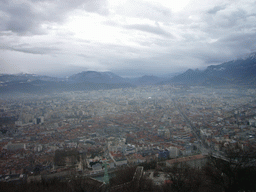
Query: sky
(128, 37)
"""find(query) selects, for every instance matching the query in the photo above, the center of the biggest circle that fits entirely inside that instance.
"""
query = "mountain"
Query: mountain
(23, 77)
(96, 77)
(87, 80)
(237, 72)
(190, 76)
(27, 83)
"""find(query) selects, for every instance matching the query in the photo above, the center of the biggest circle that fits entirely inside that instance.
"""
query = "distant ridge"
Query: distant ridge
(96, 77)
(240, 72)
(86, 80)
(237, 72)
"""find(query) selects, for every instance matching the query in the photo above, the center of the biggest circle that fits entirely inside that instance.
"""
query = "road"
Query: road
(204, 148)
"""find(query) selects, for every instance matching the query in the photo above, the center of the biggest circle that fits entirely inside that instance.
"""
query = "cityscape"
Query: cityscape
(53, 135)
(127, 96)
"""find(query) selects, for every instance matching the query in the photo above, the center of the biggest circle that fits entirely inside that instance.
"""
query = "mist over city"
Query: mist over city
(139, 95)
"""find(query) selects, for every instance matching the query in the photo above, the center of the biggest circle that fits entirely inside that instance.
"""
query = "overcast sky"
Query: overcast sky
(128, 37)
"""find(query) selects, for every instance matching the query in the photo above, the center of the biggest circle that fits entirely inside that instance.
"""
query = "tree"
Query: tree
(122, 175)
(234, 172)
(178, 175)
(149, 165)
(184, 178)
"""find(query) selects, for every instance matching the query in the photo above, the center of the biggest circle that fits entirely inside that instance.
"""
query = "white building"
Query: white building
(173, 152)
(15, 146)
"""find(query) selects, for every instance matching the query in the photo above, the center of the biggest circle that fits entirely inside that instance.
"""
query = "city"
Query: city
(53, 135)
(131, 96)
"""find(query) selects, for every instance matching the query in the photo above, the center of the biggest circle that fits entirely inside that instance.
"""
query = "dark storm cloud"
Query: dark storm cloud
(149, 29)
(28, 16)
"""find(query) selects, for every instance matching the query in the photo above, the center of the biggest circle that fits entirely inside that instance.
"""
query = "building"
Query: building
(39, 120)
(161, 132)
(118, 158)
(252, 122)
(16, 146)
(164, 154)
(173, 152)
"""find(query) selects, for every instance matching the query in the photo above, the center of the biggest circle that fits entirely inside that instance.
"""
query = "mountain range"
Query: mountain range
(237, 72)
(240, 72)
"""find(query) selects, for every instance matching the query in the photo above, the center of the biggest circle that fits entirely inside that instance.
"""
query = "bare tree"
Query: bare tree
(234, 172)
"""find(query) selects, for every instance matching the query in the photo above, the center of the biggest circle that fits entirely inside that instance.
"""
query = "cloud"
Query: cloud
(149, 29)
(18, 18)
(132, 36)
(28, 16)
(239, 43)
(98, 6)
(63, 70)
(84, 56)
(216, 9)
(36, 50)
(27, 48)
(143, 10)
